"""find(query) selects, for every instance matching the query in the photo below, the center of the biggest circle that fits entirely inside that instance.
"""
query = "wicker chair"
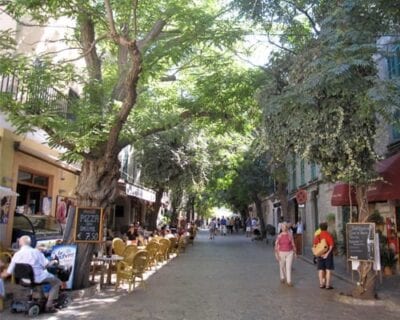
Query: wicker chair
(173, 246)
(118, 246)
(153, 250)
(5, 258)
(134, 268)
(182, 242)
(164, 249)
(130, 251)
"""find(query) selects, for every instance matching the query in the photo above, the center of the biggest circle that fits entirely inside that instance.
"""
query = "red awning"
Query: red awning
(389, 188)
(341, 196)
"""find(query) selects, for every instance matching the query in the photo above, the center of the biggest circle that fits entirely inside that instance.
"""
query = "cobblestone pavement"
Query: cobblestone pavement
(231, 278)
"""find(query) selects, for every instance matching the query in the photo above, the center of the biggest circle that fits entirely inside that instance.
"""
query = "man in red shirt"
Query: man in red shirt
(325, 262)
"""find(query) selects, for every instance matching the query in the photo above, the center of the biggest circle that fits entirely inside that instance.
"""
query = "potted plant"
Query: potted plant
(388, 260)
(376, 217)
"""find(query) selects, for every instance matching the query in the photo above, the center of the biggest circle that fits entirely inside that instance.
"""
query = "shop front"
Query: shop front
(383, 196)
(45, 188)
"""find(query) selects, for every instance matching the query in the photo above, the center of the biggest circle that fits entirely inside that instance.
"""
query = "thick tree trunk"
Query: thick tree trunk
(153, 214)
(260, 216)
(174, 217)
(281, 190)
(97, 187)
(362, 201)
(365, 288)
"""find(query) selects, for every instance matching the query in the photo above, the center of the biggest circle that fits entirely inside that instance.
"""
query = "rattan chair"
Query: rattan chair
(132, 269)
(118, 246)
(164, 249)
(153, 250)
(182, 242)
(173, 245)
(5, 258)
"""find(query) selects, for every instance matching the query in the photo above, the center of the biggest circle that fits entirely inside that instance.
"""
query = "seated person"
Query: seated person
(168, 234)
(132, 233)
(37, 260)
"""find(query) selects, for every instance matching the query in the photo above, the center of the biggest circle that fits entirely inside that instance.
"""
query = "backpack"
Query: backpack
(320, 248)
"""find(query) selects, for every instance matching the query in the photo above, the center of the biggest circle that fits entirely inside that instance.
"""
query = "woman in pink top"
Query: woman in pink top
(285, 250)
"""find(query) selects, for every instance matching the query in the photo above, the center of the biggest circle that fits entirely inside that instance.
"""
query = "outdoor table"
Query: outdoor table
(108, 261)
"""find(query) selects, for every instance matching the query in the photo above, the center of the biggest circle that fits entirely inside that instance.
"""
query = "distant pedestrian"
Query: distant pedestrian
(299, 227)
(223, 226)
(248, 227)
(230, 225)
(280, 225)
(285, 251)
(325, 263)
(212, 228)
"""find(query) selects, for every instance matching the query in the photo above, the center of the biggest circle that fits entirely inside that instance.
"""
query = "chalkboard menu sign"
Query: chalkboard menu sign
(360, 241)
(88, 225)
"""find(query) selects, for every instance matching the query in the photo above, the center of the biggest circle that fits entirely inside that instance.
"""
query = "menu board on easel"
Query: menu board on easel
(88, 225)
(360, 241)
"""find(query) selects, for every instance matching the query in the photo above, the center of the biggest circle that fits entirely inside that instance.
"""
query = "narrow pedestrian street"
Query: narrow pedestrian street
(230, 277)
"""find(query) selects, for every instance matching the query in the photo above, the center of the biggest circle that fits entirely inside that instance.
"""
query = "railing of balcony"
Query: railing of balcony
(10, 84)
(37, 98)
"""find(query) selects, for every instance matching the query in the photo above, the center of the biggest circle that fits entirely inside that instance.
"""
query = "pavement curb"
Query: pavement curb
(337, 275)
(384, 301)
(375, 303)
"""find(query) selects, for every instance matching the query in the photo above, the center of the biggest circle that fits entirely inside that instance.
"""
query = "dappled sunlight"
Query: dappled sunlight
(87, 307)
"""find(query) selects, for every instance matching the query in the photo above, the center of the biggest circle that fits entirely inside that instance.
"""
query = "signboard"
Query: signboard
(89, 225)
(141, 193)
(301, 196)
(360, 241)
(66, 256)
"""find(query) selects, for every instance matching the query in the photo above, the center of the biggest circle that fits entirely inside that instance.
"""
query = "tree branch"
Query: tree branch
(303, 11)
(123, 41)
(87, 51)
(88, 42)
(279, 46)
(152, 34)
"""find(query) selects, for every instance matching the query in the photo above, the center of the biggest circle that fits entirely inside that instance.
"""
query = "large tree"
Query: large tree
(333, 93)
(251, 183)
(126, 47)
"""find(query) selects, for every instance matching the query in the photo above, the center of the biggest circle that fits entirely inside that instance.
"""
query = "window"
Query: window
(302, 172)
(396, 128)
(313, 171)
(32, 179)
(293, 169)
(394, 63)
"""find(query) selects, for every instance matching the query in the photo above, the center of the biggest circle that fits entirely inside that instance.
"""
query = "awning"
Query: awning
(341, 195)
(7, 192)
(386, 189)
(389, 187)
(140, 192)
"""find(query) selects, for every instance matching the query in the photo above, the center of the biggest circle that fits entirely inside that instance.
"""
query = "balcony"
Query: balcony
(37, 99)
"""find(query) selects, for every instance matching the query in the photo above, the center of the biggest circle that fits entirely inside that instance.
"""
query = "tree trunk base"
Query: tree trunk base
(366, 291)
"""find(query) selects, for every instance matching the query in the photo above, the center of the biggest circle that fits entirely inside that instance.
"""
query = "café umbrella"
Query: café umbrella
(7, 192)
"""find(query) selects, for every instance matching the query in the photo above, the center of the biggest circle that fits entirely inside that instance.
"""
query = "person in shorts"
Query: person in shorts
(325, 263)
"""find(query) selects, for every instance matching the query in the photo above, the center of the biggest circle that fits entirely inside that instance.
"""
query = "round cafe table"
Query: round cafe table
(108, 262)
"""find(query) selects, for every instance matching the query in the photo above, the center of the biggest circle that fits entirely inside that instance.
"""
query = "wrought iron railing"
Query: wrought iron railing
(36, 98)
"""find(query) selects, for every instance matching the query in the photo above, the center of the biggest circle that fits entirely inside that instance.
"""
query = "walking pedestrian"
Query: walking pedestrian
(223, 226)
(285, 251)
(212, 227)
(325, 263)
(248, 226)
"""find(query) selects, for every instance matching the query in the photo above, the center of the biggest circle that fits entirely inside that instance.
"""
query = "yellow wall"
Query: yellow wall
(61, 182)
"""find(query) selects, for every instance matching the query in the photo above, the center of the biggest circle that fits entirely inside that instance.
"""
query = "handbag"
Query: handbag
(320, 248)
